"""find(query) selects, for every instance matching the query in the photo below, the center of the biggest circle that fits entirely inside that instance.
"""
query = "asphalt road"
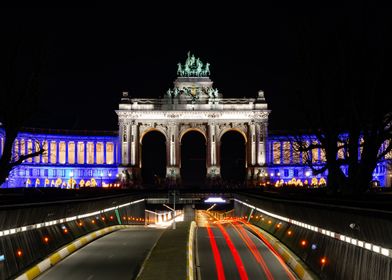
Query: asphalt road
(239, 254)
(118, 255)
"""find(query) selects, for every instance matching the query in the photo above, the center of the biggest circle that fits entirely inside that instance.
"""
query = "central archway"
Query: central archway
(233, 157)
(153, 155)
(193, 158)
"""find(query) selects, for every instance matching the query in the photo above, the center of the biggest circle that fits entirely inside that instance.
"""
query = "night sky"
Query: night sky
(95, 54)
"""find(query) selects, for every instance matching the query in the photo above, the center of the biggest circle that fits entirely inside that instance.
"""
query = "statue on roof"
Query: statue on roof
(179, 70)
(193, 67)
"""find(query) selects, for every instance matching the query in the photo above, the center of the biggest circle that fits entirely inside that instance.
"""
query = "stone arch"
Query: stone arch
(233, 158)
(193, 155)
(143, 132)
(188, 129)
(240, 130)
(153, 157)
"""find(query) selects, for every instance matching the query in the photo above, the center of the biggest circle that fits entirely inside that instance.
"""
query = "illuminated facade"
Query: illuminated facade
(285, 162)
(72, 159)
(193, 105)
(76, 159)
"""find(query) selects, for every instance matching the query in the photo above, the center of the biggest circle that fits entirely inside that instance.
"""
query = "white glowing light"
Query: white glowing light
(215, 200)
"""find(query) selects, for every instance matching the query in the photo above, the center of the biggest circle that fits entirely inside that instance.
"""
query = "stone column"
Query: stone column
(261, 138)
(213, 155)
(95, 151)
(104, 151)
(124, 142)
(76, 151)
(134, 141)
(173, 152)
(66, 152)
(253, 143)
(57, 151)
(85, 151)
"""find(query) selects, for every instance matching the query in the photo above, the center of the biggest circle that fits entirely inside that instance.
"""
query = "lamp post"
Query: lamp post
(71, 175)
(110, 175)
(101, 177)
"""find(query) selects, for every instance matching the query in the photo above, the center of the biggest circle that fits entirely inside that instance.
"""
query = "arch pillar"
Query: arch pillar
(257, 151)
(213, 156)
(173, 153)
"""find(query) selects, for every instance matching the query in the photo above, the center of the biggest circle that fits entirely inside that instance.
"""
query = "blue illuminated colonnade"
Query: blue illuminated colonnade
(286, 163)
(72, 159)
(83, 159)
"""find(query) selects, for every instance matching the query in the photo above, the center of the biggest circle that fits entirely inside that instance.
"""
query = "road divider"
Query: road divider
(190, 266)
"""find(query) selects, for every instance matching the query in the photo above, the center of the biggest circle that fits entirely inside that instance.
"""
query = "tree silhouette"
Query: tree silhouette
(22, 60)
(344, 93)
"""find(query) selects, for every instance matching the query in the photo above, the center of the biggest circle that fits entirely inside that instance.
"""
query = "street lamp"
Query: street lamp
(110, 175)
(71, 175)
(101, 177)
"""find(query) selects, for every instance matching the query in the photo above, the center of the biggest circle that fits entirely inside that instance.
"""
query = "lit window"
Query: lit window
(45, 157)
(286, 152)
(16, 149)
(22, 147)
(109, 153)
(99, 153)
(37, 147)
(295, 153)
(315, 152)
(53, 152)
(90, 153)
(276, 152)
(305, 154)
(62, 152)
(71, 152)
(340, 151)
(29, 149)
(80, 152)
(323, 158)
(386, 145)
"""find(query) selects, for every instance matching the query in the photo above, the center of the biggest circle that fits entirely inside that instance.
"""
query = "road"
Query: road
(118, 255)
(227, 250)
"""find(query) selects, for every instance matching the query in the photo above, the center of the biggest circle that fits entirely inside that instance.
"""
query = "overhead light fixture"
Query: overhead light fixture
(214, 200)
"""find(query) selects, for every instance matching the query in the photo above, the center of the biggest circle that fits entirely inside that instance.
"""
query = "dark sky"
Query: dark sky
(95, 54)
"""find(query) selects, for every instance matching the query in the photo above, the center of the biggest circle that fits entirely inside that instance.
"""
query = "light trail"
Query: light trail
(234, 252)
(252, 247)
(275, 253)
(218, 260)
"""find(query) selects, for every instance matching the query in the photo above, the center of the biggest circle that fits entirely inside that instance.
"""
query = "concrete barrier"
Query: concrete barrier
(293, 261)
(54, 258)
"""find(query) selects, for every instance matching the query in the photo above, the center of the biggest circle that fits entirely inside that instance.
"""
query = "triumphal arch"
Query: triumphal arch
(193, 104)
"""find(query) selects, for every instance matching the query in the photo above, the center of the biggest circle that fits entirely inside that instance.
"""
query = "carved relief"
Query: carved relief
(258, 115)
(214, 115)
(172, 115)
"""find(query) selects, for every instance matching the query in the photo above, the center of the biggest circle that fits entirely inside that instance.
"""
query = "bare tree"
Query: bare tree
(21, 70)
(345, 94)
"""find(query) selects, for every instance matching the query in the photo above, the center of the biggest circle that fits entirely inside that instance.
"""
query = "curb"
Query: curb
(190, 266)
(60, 254)
(294, 262)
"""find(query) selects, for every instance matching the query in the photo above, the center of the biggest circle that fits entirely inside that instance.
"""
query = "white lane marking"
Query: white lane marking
(90, 277)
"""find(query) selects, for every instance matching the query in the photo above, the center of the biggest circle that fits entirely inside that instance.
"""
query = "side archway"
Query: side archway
(153, 158)
(193, 158)
(233, 156)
